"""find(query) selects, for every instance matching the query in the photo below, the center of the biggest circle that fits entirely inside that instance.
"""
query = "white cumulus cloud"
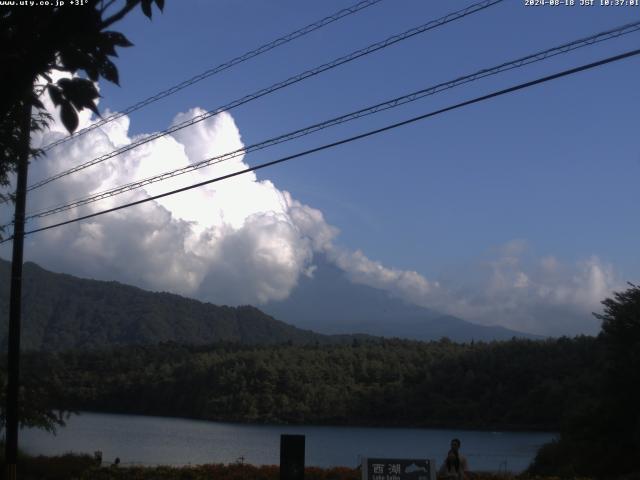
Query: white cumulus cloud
(542, 296)
(245, 241)
(233, 242)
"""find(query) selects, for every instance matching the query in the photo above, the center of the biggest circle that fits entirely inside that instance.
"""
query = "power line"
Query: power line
(220, 68)
(277, 86)
(506, 66)
(498, 93)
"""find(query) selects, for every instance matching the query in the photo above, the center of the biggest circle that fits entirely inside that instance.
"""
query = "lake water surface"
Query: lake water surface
(175, 441)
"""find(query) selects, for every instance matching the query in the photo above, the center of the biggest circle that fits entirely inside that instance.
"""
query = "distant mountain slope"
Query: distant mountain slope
(64, 312)
(330, 303)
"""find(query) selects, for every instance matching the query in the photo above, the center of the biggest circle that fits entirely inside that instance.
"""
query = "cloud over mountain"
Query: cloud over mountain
(245, 241)
(538, 295)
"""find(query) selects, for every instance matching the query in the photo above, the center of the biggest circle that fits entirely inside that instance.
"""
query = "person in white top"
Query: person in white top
(455, 446)
(455, 466)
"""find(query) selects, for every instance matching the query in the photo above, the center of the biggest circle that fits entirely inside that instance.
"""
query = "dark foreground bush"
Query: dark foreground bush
(62, 467)
(214, 472)
(83, 467)
(553, 459)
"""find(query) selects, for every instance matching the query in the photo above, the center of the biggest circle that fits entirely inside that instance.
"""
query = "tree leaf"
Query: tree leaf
(117, 39)
(92, 72)
(109, 71)
(75, 58)
(108, 47)
(76, 88)
(160, 4)
(146, 7)
(94, 108)
(69, 117)
(81, 93)
(56, 94)
(64, 83)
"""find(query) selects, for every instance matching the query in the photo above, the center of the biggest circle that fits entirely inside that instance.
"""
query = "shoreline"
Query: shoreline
(148, 441)
(493, 428)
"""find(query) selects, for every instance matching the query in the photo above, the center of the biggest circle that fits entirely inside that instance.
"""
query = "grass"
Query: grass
(83, 467)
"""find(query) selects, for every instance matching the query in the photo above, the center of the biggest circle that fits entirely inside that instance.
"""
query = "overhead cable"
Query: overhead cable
(489, 96)
(220, 68)
(411, 97)
(476, 7)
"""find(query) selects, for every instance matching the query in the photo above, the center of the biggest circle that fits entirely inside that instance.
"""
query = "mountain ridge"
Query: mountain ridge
(360, 308)
(63, 312)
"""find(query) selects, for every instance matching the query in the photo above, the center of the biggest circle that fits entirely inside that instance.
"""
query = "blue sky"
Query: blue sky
(556, 165)
(542, 180)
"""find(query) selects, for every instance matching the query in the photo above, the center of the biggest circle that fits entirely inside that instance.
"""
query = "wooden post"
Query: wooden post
(291, 457)
(13, 358)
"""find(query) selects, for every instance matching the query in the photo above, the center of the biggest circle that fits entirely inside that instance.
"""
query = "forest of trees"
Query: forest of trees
(520, 384)
(600, 435)
(587, 388)
(62, 312)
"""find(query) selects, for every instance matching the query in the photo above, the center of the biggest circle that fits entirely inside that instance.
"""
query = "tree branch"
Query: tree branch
(105, 7)
(118, 16)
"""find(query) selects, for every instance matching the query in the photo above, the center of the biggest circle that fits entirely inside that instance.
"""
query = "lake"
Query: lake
(142, 440)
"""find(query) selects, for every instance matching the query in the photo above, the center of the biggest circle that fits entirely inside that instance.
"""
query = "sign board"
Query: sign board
(398, 469)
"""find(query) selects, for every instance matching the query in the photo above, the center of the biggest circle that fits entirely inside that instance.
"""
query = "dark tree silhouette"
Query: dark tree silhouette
(601, 438)
(621, 387)
(35, 41)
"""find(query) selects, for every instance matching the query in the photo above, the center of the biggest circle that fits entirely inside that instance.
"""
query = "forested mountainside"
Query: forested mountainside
(62, 312)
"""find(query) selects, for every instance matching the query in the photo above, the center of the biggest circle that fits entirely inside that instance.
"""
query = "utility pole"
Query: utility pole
(13, 360)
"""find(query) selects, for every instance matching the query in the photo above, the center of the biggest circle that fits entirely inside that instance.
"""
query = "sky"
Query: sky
(520, 211)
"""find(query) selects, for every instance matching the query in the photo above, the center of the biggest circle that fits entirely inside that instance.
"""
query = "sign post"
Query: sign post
(398, 469)
(291, 457)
